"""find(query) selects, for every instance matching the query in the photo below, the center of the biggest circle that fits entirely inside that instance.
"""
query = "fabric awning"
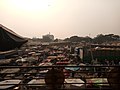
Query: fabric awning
(10, 40)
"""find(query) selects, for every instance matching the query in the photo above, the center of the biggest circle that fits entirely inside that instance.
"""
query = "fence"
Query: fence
(59, 77)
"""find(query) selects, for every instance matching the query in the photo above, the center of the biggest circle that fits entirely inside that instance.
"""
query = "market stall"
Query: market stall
(7, 84)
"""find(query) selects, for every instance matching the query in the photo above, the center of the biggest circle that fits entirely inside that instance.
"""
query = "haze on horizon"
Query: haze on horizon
(62, 18)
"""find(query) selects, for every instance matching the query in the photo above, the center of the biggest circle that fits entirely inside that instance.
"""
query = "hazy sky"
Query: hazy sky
(62, 18)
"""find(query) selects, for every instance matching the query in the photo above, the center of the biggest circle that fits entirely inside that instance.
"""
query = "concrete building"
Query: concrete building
(48, 38)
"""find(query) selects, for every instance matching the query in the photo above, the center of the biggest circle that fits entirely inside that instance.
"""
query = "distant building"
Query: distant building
(48, 38)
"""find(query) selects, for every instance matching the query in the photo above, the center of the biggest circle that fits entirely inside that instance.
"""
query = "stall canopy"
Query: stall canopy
(10, 40)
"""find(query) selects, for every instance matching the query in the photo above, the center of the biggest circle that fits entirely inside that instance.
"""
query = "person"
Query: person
(119, 62)
(99, 72)
(112, 62)
(73, 74)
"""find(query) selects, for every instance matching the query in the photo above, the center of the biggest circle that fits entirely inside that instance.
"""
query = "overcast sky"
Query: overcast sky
(62, 18)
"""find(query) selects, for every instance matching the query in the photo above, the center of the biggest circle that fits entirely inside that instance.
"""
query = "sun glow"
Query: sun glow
(31, 4)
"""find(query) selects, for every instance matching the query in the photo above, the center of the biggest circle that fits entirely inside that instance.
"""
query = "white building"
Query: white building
(48, 37)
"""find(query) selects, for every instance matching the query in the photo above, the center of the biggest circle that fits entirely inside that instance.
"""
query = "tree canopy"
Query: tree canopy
(98, 39)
